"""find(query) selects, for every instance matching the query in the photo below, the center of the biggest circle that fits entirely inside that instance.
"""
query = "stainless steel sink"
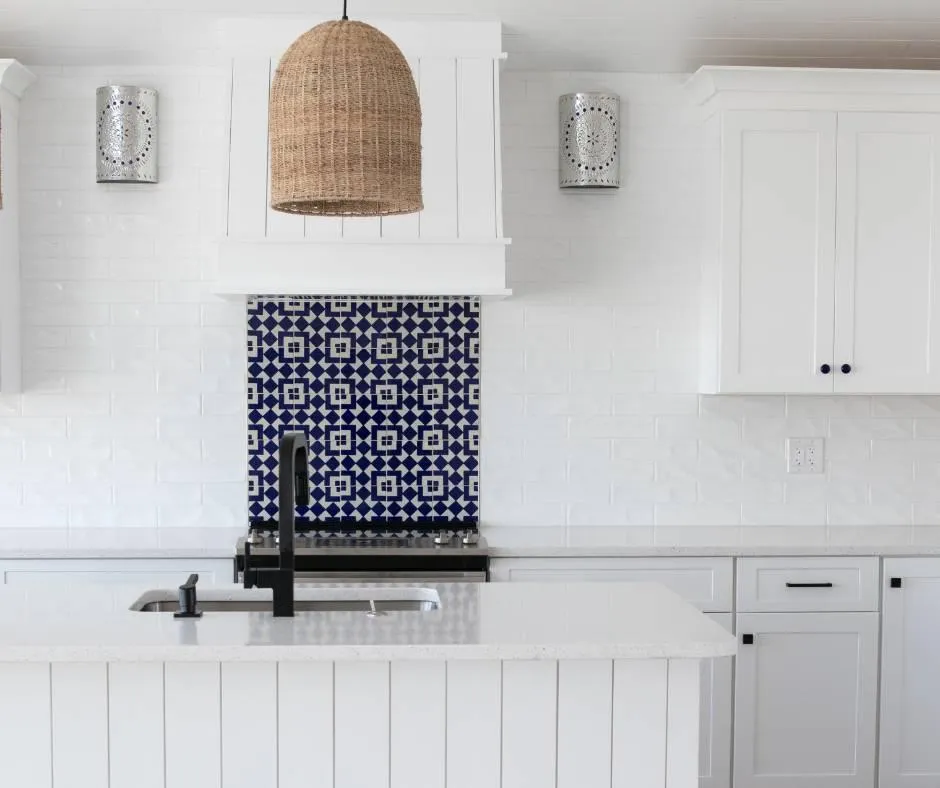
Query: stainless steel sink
(366, 600)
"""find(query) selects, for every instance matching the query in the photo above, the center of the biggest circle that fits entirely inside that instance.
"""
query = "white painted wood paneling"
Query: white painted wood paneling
(193, 725)
(136, 725)
(25, 724)
(249, 725)
(305, 724)
(474, 724)
(476, 149)
(910, 680)
(682, 723)
(715, 715)
(585, 719)
(777, 262)
(529, 723)
(639, 724)
(361, 725)
(418, 704)
(887, 286)
(406, 226)
(79, 724)
(805, 700)
(439, 147)
(248, 151)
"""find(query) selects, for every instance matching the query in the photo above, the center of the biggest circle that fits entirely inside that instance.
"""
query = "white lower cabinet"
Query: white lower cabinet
(910, 674)
(705, 582)
(805, 700)
(153, 572)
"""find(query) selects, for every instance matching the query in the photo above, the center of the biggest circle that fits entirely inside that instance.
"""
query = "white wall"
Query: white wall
(135, 409)
(589, 415)
(134, 413)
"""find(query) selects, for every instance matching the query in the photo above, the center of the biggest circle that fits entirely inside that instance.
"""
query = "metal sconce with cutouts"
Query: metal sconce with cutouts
(127, 135)
(589, 141)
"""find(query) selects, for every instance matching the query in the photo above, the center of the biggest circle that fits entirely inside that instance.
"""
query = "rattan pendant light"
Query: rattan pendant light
(345, 125)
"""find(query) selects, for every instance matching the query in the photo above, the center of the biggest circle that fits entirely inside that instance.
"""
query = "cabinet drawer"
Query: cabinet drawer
(706, 583)
(783, 585)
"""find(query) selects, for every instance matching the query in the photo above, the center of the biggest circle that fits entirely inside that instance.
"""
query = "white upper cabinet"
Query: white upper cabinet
(887, 311)
(14, 80)
(454, 246)
(819, 272)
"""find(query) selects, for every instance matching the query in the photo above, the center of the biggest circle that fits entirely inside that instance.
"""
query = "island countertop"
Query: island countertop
(505, 621)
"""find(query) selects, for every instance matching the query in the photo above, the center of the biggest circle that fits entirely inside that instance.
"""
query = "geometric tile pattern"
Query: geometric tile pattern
(387, 391)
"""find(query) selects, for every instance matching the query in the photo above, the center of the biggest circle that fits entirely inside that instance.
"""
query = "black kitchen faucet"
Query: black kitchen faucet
(293, 490)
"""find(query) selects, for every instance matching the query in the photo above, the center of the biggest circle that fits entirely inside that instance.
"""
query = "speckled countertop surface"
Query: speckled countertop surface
(505, 542)
(474, 621)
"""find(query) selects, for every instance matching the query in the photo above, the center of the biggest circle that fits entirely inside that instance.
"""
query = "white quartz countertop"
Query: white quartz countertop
(506, 621)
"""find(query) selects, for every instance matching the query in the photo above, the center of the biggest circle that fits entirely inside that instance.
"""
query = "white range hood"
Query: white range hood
(455, 246)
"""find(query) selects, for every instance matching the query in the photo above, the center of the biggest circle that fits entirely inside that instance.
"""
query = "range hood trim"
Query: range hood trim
(367, 268)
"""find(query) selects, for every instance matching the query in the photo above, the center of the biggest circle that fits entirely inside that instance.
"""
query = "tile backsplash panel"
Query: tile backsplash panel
(388, 394)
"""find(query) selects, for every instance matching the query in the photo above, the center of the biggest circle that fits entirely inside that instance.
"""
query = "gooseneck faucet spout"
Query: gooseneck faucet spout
(293, 491)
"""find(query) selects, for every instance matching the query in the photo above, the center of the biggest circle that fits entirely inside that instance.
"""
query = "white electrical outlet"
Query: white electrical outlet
(805, 455)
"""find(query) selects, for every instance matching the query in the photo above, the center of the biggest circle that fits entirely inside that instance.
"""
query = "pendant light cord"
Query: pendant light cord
(345, 16)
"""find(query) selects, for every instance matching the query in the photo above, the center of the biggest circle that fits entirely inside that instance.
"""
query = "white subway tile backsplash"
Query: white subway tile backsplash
(589, 416)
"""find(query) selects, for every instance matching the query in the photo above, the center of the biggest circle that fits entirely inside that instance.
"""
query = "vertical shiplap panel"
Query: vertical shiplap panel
(248, 153)
(439, 148)
(405, 226)
(476, 149)
(584, 723)
(497, 149)
(418, 703)
(530, 705)
(135, 724)
(474, 715)
(361, 725)
(305, 724)
(249, 725)
(25, 725)
(79, 724)
(281, 226)
(682, 715)
(639, 724)
(192, 727)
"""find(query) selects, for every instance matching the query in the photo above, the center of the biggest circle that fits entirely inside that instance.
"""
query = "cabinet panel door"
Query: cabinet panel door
(777, 251)
(887, 253)
(805, 700)
(715, 720)
(910, 679)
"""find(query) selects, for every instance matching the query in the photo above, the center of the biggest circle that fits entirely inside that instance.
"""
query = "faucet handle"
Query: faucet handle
(188, 599)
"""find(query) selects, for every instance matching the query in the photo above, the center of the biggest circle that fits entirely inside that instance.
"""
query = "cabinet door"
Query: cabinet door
(777, 251)
(910, 678)
(715, 720)
(887, 326)
(805, 700)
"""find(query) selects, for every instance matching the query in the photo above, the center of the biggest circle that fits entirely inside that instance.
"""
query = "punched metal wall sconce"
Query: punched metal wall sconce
(127, 135)
(589, 141)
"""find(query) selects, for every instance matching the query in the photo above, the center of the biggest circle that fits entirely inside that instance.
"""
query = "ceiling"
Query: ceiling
(593, 35)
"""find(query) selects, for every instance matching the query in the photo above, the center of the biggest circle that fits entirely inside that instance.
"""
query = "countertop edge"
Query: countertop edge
(385, 653)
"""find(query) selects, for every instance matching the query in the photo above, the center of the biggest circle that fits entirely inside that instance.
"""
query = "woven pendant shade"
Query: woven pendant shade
(345, 125)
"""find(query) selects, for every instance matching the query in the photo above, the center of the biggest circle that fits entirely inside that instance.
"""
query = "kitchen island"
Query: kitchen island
(512, 685)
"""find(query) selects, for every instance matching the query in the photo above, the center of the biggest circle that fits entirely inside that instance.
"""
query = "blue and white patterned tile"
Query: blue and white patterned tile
(387, 391)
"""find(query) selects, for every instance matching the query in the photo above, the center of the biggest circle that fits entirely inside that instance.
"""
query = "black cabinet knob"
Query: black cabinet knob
(846, 369)
(825, 369)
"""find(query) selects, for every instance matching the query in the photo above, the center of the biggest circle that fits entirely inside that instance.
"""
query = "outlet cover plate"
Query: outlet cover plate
(806, 455)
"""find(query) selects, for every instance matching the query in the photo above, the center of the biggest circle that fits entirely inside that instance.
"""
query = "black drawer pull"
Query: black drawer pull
(809, 585)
